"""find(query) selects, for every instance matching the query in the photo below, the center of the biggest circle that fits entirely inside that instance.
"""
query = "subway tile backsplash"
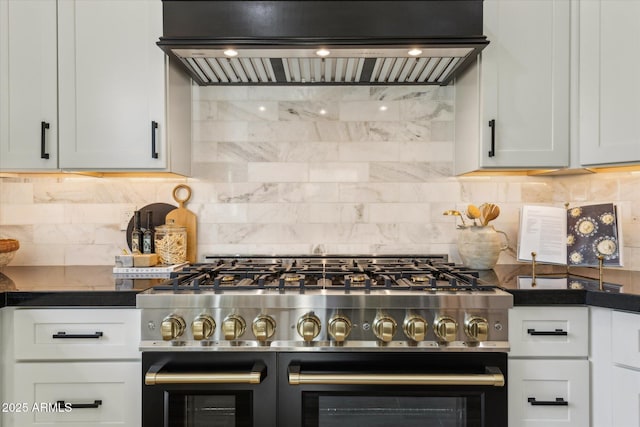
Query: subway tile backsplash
(303, 170)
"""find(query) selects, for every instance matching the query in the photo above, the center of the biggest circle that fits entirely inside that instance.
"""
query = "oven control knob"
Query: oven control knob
(339, 328)
(384, 328)
(202, 327)
(172, 327)
(476, 328)
(309, 326)
(445, 328)
(415, 327)
(263, 327)
(233, 326)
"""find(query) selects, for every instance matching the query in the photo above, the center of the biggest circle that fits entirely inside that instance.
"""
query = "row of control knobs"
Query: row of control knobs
(309, 325)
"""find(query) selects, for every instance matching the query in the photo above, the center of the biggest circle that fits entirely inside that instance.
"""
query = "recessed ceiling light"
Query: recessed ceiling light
(323, 52)
(322, 112)
(414, 52)
(231, 52)
(262, 108)
(383, 108)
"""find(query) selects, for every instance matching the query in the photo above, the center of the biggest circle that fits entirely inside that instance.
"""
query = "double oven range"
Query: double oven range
(325, 341)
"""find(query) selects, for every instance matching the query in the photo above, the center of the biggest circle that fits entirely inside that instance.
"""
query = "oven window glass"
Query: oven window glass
(206, 410)
(403, 411)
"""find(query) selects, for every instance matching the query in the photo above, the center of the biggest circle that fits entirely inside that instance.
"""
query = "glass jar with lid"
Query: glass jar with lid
(171, 243)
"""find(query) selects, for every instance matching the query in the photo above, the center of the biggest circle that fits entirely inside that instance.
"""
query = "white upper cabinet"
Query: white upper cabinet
(28, 85)
(512, 107)
(84, 83)
(609, 87)
(111, 85)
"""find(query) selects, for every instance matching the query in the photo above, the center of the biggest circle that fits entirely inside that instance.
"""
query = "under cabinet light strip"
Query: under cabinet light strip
(192, 64)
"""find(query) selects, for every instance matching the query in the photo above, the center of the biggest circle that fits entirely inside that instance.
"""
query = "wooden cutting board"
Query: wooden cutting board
(186, 218)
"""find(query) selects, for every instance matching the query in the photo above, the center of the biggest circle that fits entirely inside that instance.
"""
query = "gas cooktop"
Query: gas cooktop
(329, 273)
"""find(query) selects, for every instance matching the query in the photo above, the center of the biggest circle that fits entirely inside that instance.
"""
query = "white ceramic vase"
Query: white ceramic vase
(480, 247)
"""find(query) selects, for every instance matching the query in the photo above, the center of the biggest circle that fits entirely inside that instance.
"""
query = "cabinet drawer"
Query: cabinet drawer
(110, 392)
(535, 386)
(549, 331)
(625, 330)
(76, 334)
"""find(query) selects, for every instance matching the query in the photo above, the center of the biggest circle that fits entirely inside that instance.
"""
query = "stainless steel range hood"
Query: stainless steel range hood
(424, 42)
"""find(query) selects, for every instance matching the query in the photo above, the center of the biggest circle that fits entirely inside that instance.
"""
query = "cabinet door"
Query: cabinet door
(626, 397)
(28, 85)
(111, 84)
(524, 86)
(549, 393)
(609, 84)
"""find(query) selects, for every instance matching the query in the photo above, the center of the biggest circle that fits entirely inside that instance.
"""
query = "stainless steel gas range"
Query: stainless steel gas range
(325, 341)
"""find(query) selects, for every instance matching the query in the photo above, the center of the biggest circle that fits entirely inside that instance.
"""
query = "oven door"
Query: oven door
(392, 389)
(197, 389)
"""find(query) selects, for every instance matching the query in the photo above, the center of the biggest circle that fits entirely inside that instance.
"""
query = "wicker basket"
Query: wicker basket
(8, 248)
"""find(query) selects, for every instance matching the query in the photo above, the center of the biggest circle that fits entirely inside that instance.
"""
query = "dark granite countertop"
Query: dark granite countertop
(96, 286)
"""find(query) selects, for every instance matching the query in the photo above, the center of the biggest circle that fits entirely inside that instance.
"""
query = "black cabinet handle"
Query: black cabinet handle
(65, 335)
(43, 150)
(154, 127)
(557, 332)
(492, 125)
(558, 402)
(95, 404)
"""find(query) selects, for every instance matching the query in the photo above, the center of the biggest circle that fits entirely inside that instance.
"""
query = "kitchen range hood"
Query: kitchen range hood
(424, 42)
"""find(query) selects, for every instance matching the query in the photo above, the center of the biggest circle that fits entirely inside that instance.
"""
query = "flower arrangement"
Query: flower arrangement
(480, 216)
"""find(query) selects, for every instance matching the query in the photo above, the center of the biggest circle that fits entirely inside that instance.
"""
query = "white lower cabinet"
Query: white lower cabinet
(71, 367)
(87, 394)
(548, 393)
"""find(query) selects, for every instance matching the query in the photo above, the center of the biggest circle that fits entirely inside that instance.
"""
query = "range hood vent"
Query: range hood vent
(323, 42)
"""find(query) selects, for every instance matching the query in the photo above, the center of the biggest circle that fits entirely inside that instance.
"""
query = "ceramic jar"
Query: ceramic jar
(480, 247)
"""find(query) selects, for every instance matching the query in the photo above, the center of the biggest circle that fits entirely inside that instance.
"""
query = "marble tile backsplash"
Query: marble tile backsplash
(304, 170)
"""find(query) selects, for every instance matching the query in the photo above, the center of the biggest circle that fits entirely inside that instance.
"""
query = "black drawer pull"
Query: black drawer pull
(65, 335)
(557, 332)
(154, 127)
(95, 404)
(558, 402)
(43, 149)
(492, 125)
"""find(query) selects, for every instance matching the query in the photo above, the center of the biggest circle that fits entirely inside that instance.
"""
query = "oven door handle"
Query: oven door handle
(492, 377)
(155, 376)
